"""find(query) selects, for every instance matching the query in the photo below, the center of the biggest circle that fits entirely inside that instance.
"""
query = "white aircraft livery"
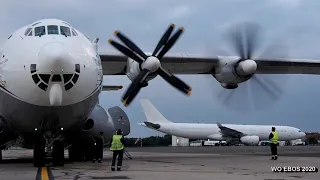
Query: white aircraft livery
(246, 134)
(51, 76)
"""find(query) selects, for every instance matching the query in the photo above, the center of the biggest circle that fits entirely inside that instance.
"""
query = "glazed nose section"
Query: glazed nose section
(55, 58)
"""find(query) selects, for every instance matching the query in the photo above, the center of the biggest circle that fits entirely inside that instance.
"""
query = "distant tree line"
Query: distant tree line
(166, 140)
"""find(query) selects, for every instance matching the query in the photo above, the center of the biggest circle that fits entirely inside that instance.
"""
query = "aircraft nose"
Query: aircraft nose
(54, 58)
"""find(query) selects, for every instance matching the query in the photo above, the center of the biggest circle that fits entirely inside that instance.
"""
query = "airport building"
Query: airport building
(179, 141)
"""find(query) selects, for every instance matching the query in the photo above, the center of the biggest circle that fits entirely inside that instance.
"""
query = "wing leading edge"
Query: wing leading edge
(195, 64)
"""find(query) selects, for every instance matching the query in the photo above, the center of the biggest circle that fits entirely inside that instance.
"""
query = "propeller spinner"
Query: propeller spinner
(150, 64)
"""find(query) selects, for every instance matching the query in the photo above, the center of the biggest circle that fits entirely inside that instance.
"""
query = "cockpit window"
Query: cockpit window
(39, 31)
(74, 33)
(53, 29)
(300, 131)
(27, 31)
(65, 31)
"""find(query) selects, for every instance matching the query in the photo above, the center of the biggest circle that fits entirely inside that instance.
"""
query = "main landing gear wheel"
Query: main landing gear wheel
(58, 153)
(39, 153)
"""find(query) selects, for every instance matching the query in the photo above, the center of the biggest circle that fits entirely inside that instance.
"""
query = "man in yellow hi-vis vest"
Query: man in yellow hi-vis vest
(117, 146)
(274, 143)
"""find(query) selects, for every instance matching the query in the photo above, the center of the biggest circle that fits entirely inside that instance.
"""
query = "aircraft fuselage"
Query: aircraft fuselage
(51, 77)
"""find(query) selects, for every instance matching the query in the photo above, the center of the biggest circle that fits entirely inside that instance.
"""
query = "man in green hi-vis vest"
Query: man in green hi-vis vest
(274, 143)
(117, 144)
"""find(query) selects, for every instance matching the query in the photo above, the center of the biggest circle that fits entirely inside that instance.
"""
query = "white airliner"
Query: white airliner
(51, 76)
(247, 134)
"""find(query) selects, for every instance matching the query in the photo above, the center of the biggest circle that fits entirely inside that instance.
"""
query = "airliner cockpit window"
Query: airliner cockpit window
(53, 29)
(39, 31)
(27, 31)
(65, 31)
(299, 130)
(74, 33)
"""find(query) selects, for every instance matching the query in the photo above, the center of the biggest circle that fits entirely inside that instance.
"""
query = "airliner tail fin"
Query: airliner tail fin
(151, 113)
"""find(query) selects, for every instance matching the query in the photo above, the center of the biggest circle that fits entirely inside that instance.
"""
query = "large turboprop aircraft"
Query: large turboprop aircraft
(246, 134)
(51, 76)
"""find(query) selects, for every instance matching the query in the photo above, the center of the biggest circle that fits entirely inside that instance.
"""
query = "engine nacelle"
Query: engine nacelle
(107, 121)
(230, 71)
(134, 68)
(250, 140)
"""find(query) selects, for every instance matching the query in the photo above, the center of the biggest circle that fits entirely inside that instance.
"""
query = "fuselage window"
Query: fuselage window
(39, 31)
(27, 31)
(65, 31)
(53, 29)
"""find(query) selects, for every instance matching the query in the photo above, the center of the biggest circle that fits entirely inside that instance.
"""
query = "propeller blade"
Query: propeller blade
(130, 44)
(163, 40)
(235, 99)
(135, 87)
(237, 41)
(125, 51)
(174, 81)
(170, 43)
(251, 37)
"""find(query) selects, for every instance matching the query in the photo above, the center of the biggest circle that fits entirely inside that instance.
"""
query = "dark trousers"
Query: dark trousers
(118, 153)
(98, 153)
(274, 150)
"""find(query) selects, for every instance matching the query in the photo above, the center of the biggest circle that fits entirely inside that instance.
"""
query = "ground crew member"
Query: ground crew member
(117, 146)
(274, 143)
(98, 149)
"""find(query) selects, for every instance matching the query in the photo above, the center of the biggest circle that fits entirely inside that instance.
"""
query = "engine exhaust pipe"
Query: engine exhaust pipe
(87, 125)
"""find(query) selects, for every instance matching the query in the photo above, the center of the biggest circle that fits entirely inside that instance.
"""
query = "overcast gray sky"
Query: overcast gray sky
(144, 21)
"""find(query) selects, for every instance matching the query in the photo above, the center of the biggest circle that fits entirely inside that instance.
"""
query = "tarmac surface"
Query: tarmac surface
(166, 163)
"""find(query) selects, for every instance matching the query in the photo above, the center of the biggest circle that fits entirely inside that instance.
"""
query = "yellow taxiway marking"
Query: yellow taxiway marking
(44, 173)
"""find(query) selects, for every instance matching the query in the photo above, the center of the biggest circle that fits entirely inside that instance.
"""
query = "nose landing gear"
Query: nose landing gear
(48, 144)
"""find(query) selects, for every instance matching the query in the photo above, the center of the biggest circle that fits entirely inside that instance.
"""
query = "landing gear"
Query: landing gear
(58, 153)
(39, 153)
(48, 144)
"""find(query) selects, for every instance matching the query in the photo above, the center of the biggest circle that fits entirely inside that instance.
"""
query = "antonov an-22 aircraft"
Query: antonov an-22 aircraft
(246, 134)
(51, 77)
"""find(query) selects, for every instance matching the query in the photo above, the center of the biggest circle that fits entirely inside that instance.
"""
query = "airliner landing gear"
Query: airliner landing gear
(39, 153)
(58, 153)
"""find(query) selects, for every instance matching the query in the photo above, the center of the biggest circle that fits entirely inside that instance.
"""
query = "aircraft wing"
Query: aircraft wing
(195, 64)
(228, 132)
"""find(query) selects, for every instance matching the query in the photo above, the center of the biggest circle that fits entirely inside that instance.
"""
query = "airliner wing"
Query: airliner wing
(195, 64)
(228, 132)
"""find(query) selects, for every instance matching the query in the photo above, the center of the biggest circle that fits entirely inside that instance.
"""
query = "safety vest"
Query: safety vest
(275, 138)
(116, 143)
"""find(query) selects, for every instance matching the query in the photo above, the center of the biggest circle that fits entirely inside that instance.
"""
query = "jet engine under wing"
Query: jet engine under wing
(195, 64)
(228, 132)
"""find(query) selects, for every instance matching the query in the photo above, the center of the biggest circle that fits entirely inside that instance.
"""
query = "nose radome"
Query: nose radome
(55, 58)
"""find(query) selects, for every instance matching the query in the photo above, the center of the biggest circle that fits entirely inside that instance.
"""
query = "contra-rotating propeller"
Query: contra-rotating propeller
(259, 90)
(150, 64)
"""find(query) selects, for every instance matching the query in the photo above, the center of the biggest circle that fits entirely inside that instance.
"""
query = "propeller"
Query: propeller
(260, 90)
(150, 65)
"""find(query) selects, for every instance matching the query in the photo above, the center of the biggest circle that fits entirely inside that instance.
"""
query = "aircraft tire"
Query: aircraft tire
(58, 153)
(39, 153)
